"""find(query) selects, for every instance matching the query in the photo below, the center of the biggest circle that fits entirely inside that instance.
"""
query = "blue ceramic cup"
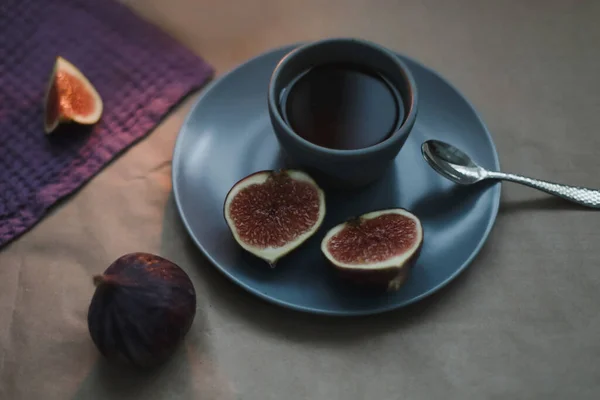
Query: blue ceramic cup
(343, 168)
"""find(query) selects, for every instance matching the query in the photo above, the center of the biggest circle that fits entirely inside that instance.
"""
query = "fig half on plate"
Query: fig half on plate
(271, 213)
(377, 249)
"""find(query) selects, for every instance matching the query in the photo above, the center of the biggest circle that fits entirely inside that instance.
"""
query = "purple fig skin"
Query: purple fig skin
(142, 308)
(384, 279)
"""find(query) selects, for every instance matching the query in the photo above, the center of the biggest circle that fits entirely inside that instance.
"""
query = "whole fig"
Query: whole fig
(142, 308)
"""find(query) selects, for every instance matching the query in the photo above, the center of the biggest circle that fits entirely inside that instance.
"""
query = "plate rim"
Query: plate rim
(300, 308)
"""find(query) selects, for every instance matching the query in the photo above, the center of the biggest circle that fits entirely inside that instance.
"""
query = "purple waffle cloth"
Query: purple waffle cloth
(139, 71)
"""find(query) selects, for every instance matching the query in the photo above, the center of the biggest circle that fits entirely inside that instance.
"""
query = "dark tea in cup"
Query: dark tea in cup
(342, 106)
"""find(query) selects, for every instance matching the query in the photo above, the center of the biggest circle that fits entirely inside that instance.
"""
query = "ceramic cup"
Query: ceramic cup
(343, 168)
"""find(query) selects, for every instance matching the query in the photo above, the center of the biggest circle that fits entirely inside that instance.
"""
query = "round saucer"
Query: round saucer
(227, 135)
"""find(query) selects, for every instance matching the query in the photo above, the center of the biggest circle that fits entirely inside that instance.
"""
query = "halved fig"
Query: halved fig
(376, 249)
(271, 213)
(70, 97)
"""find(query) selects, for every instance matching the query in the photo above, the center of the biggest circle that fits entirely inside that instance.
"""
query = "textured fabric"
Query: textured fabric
(522, 322)
(138, 70)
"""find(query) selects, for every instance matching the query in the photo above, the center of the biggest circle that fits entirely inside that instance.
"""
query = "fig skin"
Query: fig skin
(142, 308)
(379, 280)
(388, 279)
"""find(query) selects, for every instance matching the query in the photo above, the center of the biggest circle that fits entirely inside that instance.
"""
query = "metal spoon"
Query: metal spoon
(455, 165)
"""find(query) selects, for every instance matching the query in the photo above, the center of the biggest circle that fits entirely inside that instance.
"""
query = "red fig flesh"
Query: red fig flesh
(271, 213)
(70, 96)
(377, 248)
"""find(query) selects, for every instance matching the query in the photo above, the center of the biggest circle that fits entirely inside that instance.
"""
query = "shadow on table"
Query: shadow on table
(190, 373)
(263, 316)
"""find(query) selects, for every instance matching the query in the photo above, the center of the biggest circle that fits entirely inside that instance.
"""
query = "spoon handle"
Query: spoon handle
(580, 195)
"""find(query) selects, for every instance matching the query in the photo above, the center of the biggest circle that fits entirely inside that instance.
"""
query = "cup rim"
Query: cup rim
(398, 135)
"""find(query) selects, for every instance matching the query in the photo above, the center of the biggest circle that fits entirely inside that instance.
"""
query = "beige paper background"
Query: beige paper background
(522, 323)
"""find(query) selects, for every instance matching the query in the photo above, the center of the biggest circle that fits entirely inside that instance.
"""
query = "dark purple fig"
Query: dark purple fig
(142, 308)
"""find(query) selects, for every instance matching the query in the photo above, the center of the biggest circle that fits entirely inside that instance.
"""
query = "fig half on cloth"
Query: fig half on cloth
(376, 249)
(271, 213)
(70, 96)
(142, 308)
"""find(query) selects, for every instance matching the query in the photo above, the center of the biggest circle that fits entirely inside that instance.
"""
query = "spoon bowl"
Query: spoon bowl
(458, 167)
(452, 163)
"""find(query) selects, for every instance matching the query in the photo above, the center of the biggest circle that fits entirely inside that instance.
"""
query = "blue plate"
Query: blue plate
(227, 135)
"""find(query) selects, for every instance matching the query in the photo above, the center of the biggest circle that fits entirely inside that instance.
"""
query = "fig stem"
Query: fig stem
(279, 175)
(103, 279)
(355, 221)
(98, 280)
